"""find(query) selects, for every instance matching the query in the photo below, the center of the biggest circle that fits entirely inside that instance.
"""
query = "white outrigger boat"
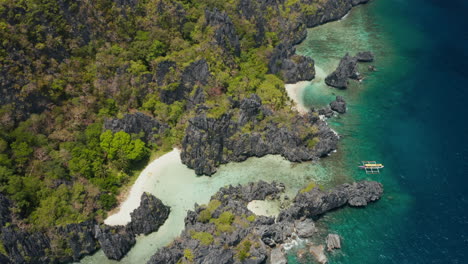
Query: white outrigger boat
(371, 167)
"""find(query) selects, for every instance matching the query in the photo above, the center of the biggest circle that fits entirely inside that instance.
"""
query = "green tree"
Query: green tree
(107, 201)
(25, 191)
(21, 152)
(157, 49)
(120, 146)
(5, 174)
(271, 91)
(3, 145)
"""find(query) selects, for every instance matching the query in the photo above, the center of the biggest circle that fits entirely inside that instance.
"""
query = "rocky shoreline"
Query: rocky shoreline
(225, 231)
(74, 241)
(210, 142)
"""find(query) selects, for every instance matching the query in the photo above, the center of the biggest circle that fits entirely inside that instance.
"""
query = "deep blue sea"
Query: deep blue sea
(411, 115)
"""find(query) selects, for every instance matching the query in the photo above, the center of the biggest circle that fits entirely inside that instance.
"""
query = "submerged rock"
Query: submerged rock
(339, 105)
(326, 111)
(252, 191)
(301, 253)
(277, 256)
(318, 253)
(333, 242)
(365, 56)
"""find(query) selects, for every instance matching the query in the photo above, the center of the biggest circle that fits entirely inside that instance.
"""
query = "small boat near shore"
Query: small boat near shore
(371, 167)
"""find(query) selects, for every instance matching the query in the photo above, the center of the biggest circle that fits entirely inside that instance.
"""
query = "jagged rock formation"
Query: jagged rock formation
(80, 238)
(316, 202)
(318, 253)
(209, 142)
(326, 111)
(114, 241)
(339, 105)
(5, 204)
(162, 70)
(23, 246)
(276, 234)
(225, 231)
(4, 259)
(330, 10)
(305, 228)
(70, 243)
(292, 67)
(277, 256)
(333, 242)
(249, 192)
(225, 33)
(149, 216)
(197, 73)
(74, 241)
(346, 69)
(136, 123)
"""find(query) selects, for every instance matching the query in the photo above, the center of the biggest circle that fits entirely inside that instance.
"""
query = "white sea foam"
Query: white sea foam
(293, 243)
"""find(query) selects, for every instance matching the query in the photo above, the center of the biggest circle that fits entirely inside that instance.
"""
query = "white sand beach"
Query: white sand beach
(144, 183)
(294, 92)
(264, 207)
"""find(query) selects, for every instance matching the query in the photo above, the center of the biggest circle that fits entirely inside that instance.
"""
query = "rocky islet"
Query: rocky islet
(348, 69)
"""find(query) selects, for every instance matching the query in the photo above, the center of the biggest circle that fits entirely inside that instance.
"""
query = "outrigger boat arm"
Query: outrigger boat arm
(371, 167)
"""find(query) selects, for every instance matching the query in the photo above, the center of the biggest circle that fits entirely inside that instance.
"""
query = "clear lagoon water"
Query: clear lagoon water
(409, 115)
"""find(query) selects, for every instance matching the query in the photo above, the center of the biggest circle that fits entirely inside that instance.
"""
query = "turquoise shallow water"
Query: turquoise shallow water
(408, 115)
